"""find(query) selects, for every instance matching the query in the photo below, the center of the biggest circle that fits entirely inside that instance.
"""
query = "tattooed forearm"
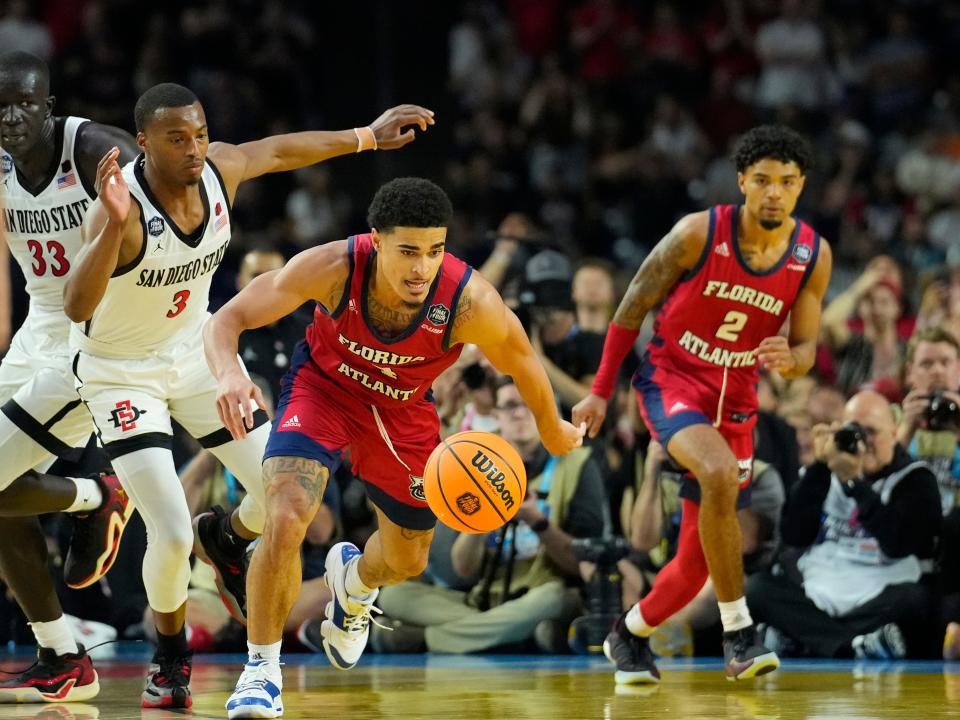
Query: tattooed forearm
(655, 278)
(309, 474)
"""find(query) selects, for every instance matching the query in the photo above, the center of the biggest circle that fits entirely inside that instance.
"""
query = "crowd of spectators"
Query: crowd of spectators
(571, 135)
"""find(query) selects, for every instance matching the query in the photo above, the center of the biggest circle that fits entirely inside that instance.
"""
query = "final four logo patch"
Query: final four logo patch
(155, 227)
(802, 253)
(438, 314)
(6, 164)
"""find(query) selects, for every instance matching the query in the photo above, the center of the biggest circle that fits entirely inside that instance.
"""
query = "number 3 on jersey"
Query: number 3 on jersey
(179, 303)
(733, 323)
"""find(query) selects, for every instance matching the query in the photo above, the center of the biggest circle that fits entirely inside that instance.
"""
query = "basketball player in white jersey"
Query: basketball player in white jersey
(47, 175)
(153, 240)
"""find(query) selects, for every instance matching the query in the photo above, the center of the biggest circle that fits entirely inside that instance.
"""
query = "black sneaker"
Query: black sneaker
(884, 643)
(96, 535)
(231, 572)
(744, 657)
(168, 683)
(53, 679)
(631, 654)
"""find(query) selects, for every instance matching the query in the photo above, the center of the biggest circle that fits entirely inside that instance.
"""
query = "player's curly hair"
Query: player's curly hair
(409, 202)
(772, 141)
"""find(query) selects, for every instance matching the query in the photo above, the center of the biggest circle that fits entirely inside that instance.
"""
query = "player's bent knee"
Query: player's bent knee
(406, 564)
(718, 478)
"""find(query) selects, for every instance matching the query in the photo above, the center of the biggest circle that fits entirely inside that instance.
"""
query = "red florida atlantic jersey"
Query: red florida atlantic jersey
(381, 371)
(715, 317)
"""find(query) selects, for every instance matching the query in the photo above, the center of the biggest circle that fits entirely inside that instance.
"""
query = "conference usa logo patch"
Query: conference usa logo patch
(156, 227)
(416, 488)
(802, 253)
(438, 314)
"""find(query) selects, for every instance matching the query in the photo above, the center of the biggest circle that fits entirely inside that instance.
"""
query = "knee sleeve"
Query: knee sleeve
(683, 577)
(150, 478)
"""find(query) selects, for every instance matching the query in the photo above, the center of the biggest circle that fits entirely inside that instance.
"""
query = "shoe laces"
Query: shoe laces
(172, 671)
(358, 622)
(255, 676)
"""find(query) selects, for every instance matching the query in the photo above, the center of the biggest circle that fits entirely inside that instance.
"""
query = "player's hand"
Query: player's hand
(774, 354)
(388, 128)
(563, 439)
(590, 412)
(112, 188)
(234, 393)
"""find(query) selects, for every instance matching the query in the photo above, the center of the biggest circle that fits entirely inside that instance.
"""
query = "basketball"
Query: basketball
(474, 481)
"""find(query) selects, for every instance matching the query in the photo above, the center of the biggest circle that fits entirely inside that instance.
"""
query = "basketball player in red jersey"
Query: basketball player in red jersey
(728, 278)
(393, 312)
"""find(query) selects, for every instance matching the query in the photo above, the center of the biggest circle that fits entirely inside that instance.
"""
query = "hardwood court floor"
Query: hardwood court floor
(531, 688)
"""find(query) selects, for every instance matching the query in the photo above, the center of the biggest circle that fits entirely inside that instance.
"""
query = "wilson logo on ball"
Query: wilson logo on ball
(468, 503)
(485, 465)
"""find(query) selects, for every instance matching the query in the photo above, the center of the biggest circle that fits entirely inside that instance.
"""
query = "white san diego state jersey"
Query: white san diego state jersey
(43, 229)
(160, 298)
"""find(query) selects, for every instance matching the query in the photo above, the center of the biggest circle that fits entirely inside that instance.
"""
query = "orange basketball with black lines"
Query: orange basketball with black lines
(474, 481)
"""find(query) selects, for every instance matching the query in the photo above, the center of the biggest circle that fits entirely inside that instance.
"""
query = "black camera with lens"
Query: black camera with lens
(603, 592)
(942, 413)
(848, 437)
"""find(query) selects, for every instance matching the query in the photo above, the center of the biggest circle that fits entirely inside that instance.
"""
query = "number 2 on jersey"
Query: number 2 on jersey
(733, 323)
(179, 303)
(58, 265)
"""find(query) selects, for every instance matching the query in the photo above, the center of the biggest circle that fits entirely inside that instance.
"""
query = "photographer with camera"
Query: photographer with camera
(930, 426)
(862, 525)
(525, 570)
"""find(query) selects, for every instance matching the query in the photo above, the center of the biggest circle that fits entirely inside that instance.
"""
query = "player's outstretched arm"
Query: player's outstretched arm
(279, 153)
(483, 319)
(677, 252)
(265, 300)
(103, 231)
(793, 356)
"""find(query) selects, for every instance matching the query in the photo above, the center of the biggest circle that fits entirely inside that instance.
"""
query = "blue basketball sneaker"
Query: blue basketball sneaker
(257, 694)
(347, 625)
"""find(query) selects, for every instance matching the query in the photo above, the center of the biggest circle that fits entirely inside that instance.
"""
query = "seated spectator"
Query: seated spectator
(932, 434)
(594, 294)
(876, 351)
(525, 570)
(865, 525)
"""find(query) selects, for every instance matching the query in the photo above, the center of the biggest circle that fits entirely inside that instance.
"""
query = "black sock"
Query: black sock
(172, 646)
(228, 541)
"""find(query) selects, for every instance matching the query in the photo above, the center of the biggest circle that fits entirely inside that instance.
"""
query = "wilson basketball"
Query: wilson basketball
(474, 481)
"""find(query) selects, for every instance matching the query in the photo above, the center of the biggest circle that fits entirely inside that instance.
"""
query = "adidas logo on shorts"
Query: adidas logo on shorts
(291, 422)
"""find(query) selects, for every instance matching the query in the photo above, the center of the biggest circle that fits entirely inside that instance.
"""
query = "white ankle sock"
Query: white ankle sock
(636, 624)
(735, 615)
(89, 496)
(353, 583)
(55, 635)
(270, 653)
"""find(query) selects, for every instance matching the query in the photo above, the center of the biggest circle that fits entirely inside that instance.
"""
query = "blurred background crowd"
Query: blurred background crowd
(571, 134)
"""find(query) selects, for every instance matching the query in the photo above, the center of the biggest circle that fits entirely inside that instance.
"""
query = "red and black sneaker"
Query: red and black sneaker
(96, 535)
(230, 572)
(168, 684)
(53, 679)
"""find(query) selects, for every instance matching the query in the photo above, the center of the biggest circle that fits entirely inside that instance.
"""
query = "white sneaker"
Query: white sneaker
(257, 694)
(347, 625)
